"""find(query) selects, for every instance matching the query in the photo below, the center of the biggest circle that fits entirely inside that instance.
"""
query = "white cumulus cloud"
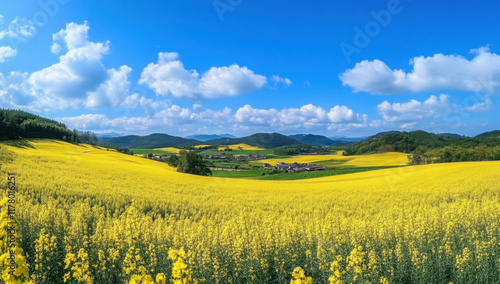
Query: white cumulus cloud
(307, 116)
(78, 72)
(451, 72)
(169, 76)
(5, 52)
(15, 91)
(74, 36)
(433, 107)
(113, 92)
(79, 79)
(18, 28)
(229, 81)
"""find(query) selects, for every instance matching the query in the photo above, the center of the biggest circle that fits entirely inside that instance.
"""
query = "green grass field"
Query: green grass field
(258, 174)
(317, 174)
(230, 164)
(240, 152)
(147, 151)
(327, 163)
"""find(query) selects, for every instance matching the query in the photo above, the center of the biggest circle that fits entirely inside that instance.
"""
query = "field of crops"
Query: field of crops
(239, 152)
(143, 152)
(169, 149)
(374, 160)
(202, 146)
(88, 215)
(240, 146)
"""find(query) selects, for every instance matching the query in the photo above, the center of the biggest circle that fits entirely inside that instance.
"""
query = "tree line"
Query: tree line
(15, 124)
(425, 155)
(292, 150)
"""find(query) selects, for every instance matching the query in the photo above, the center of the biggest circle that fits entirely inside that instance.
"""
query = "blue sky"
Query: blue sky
(351, 68)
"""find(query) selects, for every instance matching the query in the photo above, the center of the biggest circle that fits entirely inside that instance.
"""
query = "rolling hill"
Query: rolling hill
(265, 140)
(492, 135)
(156, 140)
(207, 137)
(344, 139)
(314, 140)
(408, 141)
(400, 142)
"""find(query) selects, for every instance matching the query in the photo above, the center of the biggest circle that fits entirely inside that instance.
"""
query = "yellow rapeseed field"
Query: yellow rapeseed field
(88, 215)
(202, 146)
(374, 160)
(169, 149)
(240, 146)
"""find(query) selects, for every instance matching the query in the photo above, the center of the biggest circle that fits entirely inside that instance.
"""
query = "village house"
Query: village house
(266, 166)
(314, 168)
(251, 157)
(163, 156)
(218, 156)
(297, 167)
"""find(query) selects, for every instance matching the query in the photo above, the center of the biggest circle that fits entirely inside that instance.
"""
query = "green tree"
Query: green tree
(192, 163)
(172, 160)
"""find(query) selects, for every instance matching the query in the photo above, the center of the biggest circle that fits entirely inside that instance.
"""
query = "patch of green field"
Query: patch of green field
(317, 174)
(147, 151)
(258, 174)
(240, 152)
(229, 164)
(263, 161)
(332, 163)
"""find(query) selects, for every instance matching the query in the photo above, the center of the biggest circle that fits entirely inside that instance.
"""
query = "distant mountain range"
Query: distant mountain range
(108, 135)
(207, 137)
(346, 139)
(320, 140)
(384, 141)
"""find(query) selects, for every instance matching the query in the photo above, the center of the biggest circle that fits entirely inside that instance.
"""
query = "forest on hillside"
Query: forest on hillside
(20, 124)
